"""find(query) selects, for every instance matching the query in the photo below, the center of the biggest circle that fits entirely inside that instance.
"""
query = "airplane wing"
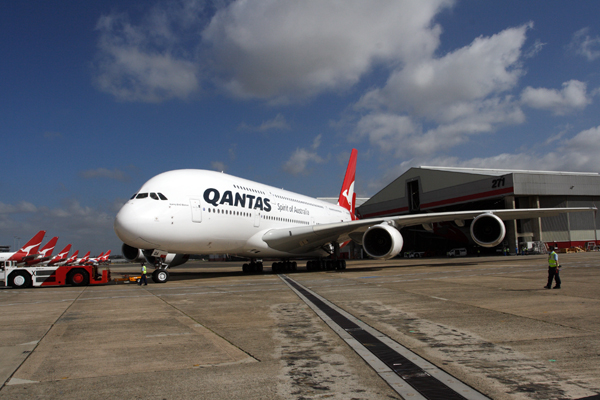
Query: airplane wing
(307, 238)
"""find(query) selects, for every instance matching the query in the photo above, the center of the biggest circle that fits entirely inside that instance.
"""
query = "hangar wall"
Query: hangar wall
(436, 189)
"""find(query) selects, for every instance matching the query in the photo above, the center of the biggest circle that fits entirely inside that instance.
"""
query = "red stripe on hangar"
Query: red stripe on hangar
(433, 204)
(386, 212)
(471, 197)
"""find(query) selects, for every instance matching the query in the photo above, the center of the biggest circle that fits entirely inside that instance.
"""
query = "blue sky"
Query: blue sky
(97, 97)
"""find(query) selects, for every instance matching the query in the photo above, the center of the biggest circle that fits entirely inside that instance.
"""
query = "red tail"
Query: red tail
(30, 248)
(85, 258)
(48, 248)
(62, 256)
(45, 253)
(347, 196)
(73, 258)
(105, 257)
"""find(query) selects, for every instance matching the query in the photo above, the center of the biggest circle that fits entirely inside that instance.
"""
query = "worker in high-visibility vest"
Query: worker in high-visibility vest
(553, 270)
(143, 277)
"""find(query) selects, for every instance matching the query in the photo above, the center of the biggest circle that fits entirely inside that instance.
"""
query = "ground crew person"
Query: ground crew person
(143, 277)
(553, 270)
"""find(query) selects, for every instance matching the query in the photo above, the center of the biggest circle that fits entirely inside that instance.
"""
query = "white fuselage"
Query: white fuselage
(206, 212)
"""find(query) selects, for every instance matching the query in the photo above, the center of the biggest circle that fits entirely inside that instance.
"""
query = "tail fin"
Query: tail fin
(30, 248)
(45, 253)
(62, 256)
(73, 258)
(48, 248)
(347, 196)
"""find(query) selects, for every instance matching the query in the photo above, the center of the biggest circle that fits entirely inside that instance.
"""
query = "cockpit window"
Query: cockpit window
(141, 195)
(154, 196)
(162, 196)
(133, 197)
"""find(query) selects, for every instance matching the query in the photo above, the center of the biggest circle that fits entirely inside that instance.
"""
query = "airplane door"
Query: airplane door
(257, 219)
(196, 210)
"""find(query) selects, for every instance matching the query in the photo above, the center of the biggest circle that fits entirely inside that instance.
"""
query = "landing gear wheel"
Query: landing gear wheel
(340, 265)
(78, 277)
(20, 280)
(160, 275)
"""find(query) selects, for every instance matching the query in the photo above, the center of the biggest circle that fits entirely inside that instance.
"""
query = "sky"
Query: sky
(98, 97)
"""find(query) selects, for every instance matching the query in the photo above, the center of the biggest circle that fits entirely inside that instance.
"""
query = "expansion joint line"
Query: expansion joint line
(202, 325)
(411, 376)
(42, 338)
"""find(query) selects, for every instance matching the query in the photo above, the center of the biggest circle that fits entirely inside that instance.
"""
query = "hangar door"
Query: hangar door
(412, 192)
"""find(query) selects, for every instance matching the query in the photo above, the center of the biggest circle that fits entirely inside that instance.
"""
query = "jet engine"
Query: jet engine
(487, 230)
(382, 241)
(139, 255)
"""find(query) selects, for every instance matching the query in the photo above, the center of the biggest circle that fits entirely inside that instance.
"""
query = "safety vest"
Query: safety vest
(143, 269)
(552, 261)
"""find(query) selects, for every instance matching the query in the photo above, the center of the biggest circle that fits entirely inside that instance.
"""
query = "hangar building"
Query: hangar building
(437, 189)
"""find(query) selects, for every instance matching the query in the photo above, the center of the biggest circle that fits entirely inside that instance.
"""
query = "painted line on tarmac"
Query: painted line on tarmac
(411, 376)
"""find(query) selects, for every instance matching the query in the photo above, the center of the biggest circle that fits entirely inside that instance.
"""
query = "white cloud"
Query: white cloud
(586, 45)
(148, 62)
(302, 159)
(578, 154)
(87, 228)
(21, 207)
(277, 123)
(281, 50)
(218, 166)
(572, 97)
(433, 87)
(435, 104)
(271, 50)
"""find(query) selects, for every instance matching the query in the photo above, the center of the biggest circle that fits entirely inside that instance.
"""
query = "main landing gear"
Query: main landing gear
(255, 267)
(285, 266)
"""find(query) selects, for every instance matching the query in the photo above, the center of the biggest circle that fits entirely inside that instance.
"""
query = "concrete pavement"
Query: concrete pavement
(212, 332)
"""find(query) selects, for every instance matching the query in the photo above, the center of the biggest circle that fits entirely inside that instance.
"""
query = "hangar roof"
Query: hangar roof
(500, 172)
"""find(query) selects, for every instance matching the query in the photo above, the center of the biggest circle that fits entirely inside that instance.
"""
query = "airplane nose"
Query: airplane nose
(124, 224)
(129, 226)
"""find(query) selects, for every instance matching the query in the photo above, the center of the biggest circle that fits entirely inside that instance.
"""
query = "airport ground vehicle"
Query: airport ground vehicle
(76, 275)
(414, 254)
(462, 252)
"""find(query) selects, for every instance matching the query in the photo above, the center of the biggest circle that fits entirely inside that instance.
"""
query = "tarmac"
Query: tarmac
(212, 332)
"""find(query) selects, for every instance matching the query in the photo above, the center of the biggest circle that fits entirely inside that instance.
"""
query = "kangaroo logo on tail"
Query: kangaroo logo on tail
(347, 196)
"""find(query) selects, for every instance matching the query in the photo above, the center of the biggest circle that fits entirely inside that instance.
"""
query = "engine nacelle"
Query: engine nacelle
(132, 254)
(382, 241)
(487, 230)
(137, 255)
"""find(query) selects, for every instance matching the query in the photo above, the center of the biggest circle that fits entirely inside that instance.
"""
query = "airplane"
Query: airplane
(45, 253)
(60, 257)
(192, 211)
(72, 259)
(27, 252)
(95, 259)
(84, 259)
(102, 258)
